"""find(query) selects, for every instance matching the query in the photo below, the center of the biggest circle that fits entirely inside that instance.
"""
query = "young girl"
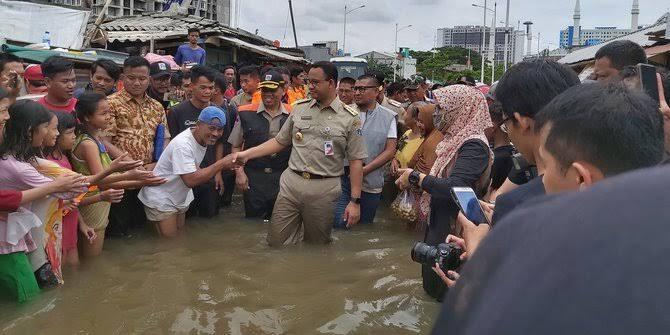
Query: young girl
(89, 156)
(24, 135)
(59, 155)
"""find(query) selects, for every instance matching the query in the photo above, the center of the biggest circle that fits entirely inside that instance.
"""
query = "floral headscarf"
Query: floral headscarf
(462, 115)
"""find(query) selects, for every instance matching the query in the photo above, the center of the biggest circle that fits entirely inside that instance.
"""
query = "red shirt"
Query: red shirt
(66, 109)
(10, 200)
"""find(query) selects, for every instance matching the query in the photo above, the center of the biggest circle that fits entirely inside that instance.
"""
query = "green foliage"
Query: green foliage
(386, 69)
(433, 64)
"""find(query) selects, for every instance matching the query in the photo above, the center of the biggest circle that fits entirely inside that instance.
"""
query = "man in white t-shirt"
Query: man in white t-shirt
(166, 205)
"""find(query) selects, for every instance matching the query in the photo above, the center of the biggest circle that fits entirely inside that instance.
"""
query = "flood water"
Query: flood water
(222, 278)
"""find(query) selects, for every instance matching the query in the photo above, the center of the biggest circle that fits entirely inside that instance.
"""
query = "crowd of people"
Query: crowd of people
(310, 152)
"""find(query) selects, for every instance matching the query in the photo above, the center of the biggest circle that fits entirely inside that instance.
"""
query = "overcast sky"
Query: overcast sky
(373, 27)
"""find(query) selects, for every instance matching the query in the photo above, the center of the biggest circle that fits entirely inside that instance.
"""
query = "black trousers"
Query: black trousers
(228, 188)
(259, 199)
(206, 201)
(126, 215)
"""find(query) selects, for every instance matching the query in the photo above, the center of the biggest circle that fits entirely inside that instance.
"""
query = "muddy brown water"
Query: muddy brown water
(222, 278)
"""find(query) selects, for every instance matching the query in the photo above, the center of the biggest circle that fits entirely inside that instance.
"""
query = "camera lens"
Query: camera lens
(423, 253)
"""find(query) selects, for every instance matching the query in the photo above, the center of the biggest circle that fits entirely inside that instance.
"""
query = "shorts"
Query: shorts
(156, 215)
(17, 281)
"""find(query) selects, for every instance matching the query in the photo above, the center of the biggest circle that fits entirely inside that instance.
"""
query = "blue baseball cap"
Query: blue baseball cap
(213, 116)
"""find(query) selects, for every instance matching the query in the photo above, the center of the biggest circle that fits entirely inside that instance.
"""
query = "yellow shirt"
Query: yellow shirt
(405, 154)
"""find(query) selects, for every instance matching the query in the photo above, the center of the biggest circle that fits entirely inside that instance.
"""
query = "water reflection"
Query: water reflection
(221, 278)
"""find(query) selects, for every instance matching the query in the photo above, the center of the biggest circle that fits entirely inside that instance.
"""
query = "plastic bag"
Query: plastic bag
(404, 206)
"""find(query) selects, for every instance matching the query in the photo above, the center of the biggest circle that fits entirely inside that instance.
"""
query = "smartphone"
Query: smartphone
(648, 80)
(467, 200)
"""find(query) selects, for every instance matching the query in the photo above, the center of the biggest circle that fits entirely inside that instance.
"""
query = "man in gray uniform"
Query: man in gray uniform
(323, 132)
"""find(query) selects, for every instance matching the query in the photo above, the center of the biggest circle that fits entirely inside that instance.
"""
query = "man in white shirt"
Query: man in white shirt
(166, 205)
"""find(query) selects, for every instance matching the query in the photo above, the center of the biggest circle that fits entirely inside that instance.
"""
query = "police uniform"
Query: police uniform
(255, 126)
(322, 138)
(397, 108)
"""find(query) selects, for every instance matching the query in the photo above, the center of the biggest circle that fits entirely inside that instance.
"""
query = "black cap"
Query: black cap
(159, 69)
(272, 79)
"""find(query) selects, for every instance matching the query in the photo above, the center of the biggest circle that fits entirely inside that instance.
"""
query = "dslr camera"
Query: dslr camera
(446, 255)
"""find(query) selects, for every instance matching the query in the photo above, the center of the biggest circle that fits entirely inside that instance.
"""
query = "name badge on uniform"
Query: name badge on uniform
(328, 148)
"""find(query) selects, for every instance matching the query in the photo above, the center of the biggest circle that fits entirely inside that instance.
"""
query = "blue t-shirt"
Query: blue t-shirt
(187, 55)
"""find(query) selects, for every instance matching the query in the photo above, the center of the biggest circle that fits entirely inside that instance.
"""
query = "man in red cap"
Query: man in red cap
(34, 80)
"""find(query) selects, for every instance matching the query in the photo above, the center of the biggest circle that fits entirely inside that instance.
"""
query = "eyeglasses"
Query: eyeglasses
(362, 88)
(503, 125)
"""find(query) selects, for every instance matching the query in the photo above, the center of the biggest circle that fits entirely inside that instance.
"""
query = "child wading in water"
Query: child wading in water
(59, 155)
(90, 157)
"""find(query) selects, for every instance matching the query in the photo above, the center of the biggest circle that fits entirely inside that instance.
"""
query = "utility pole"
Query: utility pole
(506, 37)
(492, 46)
(481, 79)
(295, 35)
(344, 38)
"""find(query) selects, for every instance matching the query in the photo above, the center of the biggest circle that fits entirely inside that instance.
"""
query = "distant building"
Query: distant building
(320, 51)
(573, 37)
(379, 57)
(470, 37)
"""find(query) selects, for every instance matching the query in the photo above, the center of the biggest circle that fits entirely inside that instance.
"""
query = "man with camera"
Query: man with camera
(575, 158)
(597, 256)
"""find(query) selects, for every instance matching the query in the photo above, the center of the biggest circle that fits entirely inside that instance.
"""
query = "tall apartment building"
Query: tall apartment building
(470, 37)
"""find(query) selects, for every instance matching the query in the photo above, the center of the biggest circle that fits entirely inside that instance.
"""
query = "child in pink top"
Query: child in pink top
(59, 155)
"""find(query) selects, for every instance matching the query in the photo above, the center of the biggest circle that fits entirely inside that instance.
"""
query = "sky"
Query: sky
(373, 27)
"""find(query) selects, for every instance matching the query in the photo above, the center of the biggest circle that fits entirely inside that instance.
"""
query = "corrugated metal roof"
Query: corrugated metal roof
(261, 49)
(640, 37)
(161, 25)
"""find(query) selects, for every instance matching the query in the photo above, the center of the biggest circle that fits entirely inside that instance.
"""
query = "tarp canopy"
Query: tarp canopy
(274, 54)
(27, 22)
(38, 56)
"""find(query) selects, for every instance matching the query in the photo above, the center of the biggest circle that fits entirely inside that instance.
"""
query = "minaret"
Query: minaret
(635, 13)
(576, 27)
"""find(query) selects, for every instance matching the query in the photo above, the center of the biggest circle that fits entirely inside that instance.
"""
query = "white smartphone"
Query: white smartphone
(467, 200)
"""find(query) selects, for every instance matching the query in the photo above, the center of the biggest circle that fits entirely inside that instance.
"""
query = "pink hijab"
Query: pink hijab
(463, 115)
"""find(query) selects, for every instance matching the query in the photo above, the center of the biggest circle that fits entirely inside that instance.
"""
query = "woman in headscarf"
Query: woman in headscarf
(463, 160)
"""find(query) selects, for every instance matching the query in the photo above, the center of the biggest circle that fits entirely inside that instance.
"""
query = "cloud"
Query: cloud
(372, 27)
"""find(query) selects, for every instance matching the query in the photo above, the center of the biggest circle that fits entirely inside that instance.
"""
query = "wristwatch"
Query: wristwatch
(414, 178)
(357, 201)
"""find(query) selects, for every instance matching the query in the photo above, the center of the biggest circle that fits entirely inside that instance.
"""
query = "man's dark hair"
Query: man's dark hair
(220, 82)
(193, 30)
(7, 58)
(348, 80)
(529, 86)
(371, 77)
(250, 70)
(55, 65)
(109, 66)
(296, 71)
(328, 68)
(4, 94)
(622, 53)
(394, 88)
(135, 61)
(279, 69)
(229, 67)
(609, 126)
(379, 76)
(176, 78)
(202, 71)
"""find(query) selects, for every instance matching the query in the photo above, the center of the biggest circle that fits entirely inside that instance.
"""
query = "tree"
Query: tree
(385, 69)
(433, 64)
